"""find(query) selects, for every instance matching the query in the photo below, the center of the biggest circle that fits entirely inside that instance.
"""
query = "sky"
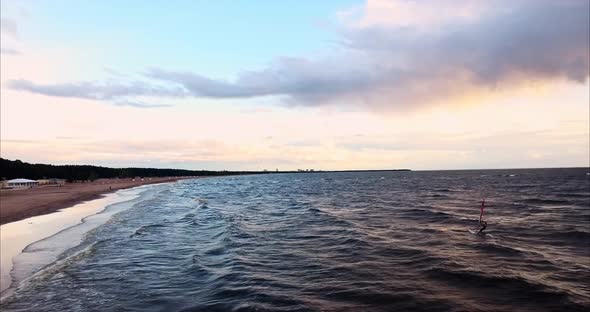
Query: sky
(328, 85)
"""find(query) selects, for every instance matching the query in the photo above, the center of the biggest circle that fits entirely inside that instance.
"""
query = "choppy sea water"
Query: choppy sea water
(378, 241)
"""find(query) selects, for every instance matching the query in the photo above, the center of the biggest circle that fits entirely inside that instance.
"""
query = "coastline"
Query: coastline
(20, 204)
(66, 227)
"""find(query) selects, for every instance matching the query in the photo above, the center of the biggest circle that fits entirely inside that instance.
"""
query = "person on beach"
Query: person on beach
(481, 221)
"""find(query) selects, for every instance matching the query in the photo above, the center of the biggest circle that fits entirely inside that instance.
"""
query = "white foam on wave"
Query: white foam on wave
(31, 244)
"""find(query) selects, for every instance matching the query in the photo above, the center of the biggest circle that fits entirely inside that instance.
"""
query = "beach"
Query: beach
(19, 204)
(16, 236)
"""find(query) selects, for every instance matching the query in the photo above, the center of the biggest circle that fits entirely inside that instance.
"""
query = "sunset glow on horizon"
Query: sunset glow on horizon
(334, 85)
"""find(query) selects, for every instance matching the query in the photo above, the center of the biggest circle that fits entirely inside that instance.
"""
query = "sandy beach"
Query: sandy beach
(18, 204)
(16, 236)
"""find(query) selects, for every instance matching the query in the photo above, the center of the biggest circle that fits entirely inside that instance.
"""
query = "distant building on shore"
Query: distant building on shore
(21, 183)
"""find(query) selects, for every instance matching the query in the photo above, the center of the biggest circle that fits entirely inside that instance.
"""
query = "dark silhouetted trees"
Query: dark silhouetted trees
(10, 169)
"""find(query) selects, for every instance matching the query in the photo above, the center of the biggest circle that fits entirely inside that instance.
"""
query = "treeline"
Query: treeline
(11, 169)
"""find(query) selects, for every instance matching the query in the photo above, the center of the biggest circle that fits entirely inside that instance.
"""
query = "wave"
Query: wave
(439, 196)
(324, 217)
(44, 252)
(372, 297)
(216, 251)
(573, 195)
(509, 288)
(499, 250)
(444, 190)
(427, 215)
(201, 200)
(67, 258)
(577, 235)
(358, 246)
(402, 253)
(248, 299)
(145, 229)
(546, 201)
(432, 231)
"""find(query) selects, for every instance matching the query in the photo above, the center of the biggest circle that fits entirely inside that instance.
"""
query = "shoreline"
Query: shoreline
(20, 204)
(71, 223)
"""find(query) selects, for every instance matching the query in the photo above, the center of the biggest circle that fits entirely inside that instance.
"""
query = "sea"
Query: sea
(347, 241)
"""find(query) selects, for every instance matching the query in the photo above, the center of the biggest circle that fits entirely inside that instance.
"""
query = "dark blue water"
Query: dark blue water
(380, 241)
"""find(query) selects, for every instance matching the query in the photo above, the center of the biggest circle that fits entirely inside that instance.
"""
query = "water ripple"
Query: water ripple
(395, 241)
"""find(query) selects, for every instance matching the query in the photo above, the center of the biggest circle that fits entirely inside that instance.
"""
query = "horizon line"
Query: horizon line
(312, 170)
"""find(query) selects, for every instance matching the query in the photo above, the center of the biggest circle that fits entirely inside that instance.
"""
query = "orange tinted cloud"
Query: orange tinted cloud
(395, 65)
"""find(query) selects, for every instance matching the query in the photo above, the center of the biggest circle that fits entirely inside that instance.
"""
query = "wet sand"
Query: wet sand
(15, 236)
(19, 204)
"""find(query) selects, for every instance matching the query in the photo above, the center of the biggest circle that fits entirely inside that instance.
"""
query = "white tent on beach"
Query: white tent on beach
(21, 183)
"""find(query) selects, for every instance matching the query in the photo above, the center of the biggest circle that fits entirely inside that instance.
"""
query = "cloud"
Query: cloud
(139, 104)
(9, 51)
(117, 93)
(414, 58)
(399, 63)
(194, 154)
(504, 141)
(9, 27)
(293, 77)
